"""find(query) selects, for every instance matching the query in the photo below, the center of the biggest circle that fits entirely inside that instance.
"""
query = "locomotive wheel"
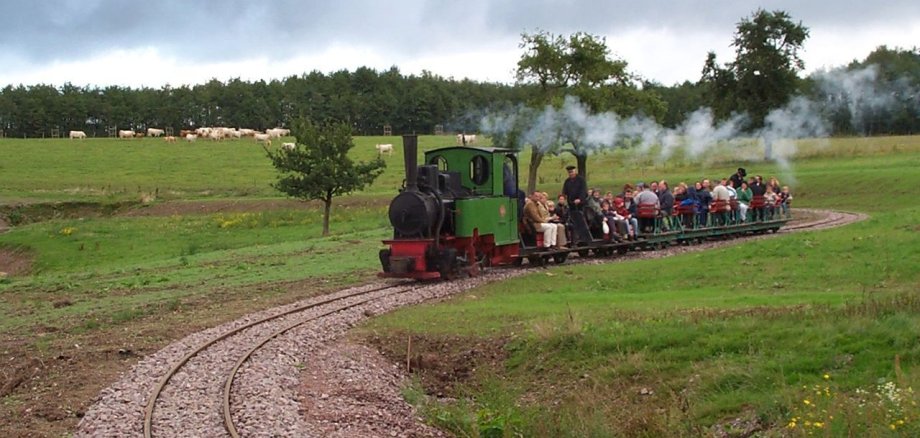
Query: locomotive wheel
(621, 250)
(517, 262)
(560, 258)
(583, 252)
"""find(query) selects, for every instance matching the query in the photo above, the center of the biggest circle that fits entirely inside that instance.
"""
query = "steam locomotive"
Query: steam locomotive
(459, 213)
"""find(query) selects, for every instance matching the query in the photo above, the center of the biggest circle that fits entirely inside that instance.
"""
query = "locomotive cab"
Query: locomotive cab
(453, 215)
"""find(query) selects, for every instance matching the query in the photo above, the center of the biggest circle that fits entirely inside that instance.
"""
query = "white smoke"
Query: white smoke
(549, 128)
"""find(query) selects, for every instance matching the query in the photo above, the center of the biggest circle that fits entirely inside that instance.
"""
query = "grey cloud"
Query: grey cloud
(45, 30)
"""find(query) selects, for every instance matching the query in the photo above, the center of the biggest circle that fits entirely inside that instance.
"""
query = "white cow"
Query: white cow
(277, 132)
(466, 138)
(385, 148)
(191, 137)
(289, 146)
(77, 134)
(260, 137)
(154, 132)
(127, 133)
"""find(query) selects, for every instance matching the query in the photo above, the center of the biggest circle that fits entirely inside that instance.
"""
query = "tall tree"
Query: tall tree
(764, 74)
(579, 65)
(319, 168)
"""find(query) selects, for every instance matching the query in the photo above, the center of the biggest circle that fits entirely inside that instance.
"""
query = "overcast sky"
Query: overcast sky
(156, 42)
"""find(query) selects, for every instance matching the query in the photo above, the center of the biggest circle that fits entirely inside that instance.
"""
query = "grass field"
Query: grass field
(110, 278)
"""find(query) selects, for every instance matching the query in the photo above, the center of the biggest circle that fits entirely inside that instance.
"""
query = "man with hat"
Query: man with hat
(738, 177)
(575, 189)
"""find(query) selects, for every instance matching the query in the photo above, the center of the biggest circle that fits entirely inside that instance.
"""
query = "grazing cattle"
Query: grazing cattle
(184, 132)
(261, 137)
(77, 134)
(385, 148)
(216, 135)
(154, 132)
(289, 146)
(170, 139)
(191, 137)
(246, 132)
(466, 138)
(126, 133)
(277, 132)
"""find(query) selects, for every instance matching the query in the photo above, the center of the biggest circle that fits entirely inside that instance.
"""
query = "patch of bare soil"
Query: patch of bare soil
(52, 374)
(441, 362)
(15, 262)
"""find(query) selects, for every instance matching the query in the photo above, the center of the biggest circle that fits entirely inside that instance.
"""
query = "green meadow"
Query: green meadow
(808, 333)
(710, 336)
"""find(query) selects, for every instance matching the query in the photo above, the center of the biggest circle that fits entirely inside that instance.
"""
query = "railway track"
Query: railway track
(829, 220)
(192, 394)
(224, 381)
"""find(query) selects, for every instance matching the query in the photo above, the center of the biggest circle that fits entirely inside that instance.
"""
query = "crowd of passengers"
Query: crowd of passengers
(591, 213)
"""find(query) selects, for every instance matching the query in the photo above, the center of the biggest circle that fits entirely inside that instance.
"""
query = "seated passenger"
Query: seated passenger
(769, 199)
(533, 217)
(562, 209)
(614, 223)
(744, 200)
(666, 201)
(647, 197)
(619, 206)
(547, 210)
(785, 199)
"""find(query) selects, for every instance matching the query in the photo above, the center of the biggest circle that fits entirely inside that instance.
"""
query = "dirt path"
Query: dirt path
(347, 389)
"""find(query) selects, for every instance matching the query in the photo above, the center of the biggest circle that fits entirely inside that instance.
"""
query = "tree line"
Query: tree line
(764, 75)
(365, 99)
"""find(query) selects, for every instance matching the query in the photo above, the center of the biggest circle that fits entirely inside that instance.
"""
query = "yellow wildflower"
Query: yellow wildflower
(806, 401)
(827, 376)
(892, 426)
(791, 424)
(819, 424)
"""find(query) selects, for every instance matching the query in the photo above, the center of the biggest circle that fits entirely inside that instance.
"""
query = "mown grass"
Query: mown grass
(109, 170)
(685, 345)
(106, 267)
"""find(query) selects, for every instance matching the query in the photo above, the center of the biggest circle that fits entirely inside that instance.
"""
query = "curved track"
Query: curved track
(206, 384)
(288, 320)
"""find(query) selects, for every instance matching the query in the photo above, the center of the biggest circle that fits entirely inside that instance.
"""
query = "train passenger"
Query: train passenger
(666, 200)
(769, 199)
(534, 217)
(744, 200)
(690, 200)
(647, 196)
(705, 198)
(575, 190)
(721, 193)
(732, 196)
(738, 177)
(548, 210)
(613, 222)
(562, 209)
(785, 197)
(774, 185)
(632, 224)
(757, 189)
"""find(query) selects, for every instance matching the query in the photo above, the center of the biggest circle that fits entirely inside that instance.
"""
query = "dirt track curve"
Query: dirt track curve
(288, 371)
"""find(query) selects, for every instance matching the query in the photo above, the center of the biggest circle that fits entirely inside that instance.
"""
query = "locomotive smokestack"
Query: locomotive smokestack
(410, 151)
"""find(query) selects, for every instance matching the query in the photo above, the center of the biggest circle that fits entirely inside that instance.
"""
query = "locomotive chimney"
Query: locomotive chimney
(410, 151)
